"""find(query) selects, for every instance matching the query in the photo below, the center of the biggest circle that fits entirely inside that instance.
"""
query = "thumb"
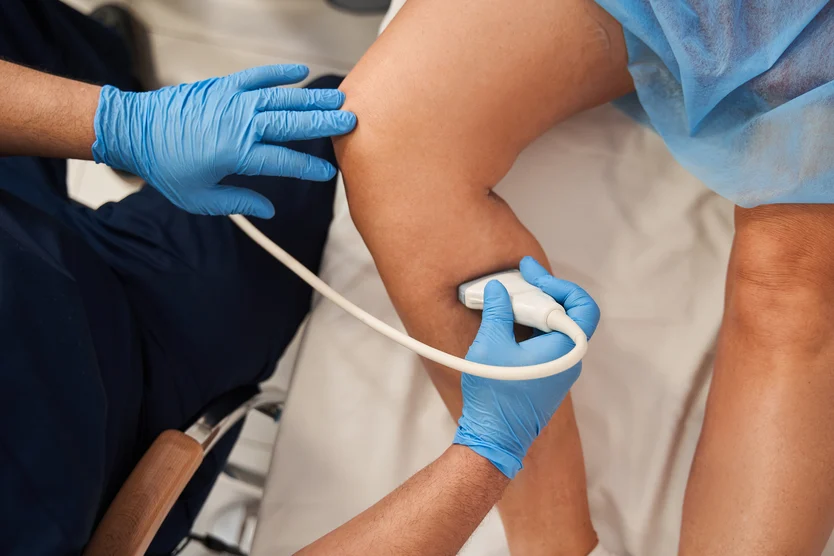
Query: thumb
(495, 335)
(497, 319)
(224, 199)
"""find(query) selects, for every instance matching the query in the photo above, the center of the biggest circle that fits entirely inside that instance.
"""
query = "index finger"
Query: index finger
(292, 98)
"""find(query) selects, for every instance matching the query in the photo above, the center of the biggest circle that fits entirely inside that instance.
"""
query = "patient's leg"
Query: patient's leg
(446, 99)
(763, 478)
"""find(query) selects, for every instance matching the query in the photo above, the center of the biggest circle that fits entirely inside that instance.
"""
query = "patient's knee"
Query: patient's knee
(785, 248)
(781, 276)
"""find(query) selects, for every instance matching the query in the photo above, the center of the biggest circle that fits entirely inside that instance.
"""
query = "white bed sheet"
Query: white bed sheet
(614, 213)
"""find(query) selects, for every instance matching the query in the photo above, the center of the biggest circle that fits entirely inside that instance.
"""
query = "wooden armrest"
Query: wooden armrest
(151, 490)
(149, 493)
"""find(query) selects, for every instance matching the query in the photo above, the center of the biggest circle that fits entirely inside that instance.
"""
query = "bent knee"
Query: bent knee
(785, 248)
(781, 275)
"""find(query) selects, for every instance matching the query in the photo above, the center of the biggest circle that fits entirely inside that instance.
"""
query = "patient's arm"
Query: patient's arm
(446, 99)
(763, 477)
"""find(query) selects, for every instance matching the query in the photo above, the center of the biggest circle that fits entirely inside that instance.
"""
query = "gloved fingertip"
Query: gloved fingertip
(331, 172)
(498, 307)
(319, 170)
(335, 122)
(587, 315)
(531, 269)
(295, 71)
(265, 210)
(331, 98)
(345, 122)
(495, 292)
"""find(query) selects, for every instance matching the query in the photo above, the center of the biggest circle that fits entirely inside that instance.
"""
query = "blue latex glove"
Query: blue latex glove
(502, 418)
(183, 140)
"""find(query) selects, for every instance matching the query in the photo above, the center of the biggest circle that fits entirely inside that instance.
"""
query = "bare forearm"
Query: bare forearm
(762, 481)
(45, 115)
(433, 513)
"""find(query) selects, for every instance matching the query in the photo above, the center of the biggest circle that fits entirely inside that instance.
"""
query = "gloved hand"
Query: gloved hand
(502, 418)
(183, 140)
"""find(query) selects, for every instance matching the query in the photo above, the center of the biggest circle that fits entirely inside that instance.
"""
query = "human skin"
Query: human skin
(446, 99)
(762, 482)
(441, 123)
(45, 115)
(434, 512)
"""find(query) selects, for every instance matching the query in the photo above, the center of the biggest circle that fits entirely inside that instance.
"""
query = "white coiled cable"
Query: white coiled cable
(557, 320)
